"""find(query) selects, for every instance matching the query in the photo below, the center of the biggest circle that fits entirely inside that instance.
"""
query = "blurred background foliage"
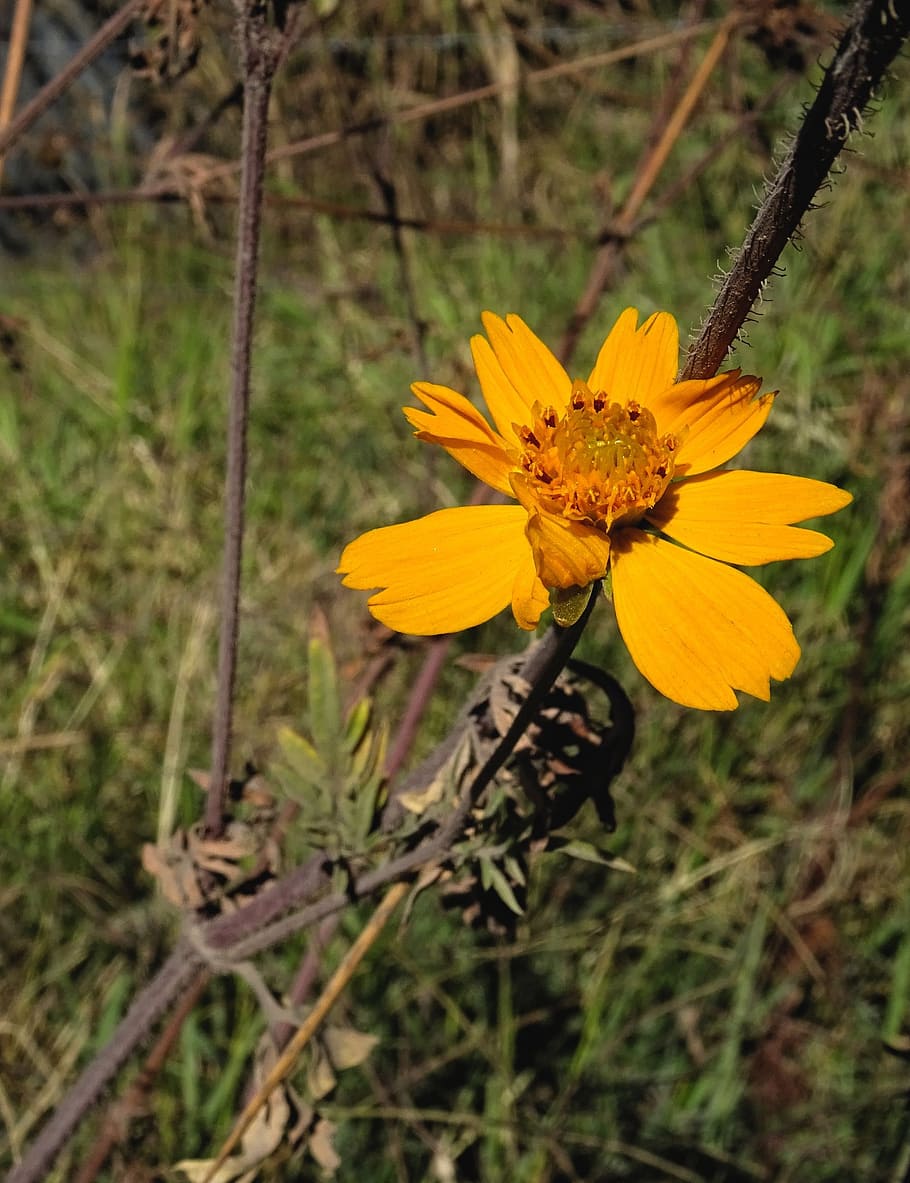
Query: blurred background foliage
(733, 1010)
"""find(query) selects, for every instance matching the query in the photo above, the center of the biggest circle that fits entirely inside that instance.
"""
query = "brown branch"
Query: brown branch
(466, 98)
(61, 82)
(260, 48)
(15, 59)
(866, 51)
(618, 232)
(335, 209)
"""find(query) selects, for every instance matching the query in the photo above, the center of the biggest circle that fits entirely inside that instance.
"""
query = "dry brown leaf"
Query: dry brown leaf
(173, 867)
(347, 1047)
(322, 1146)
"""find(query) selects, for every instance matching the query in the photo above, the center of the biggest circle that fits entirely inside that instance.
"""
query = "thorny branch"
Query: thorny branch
(866, 50)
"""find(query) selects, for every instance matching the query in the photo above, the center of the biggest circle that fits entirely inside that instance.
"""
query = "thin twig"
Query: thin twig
(61, 82)
(623, 225)
(172, 193)
(259, 48)
(15, 59)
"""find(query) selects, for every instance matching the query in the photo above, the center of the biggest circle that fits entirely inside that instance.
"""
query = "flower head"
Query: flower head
(618, 475)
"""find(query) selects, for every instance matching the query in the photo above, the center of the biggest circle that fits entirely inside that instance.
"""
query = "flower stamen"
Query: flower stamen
(599, 462)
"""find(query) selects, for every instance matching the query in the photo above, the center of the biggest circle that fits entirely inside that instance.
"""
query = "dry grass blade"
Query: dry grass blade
(15, 59)
(308, 1028)
(466, 98)
(58, 85)
(648, 173)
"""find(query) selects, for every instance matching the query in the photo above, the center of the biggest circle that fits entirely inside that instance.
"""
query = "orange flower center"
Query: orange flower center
(597, 462)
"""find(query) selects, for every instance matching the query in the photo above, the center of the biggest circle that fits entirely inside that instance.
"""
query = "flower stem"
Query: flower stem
(260, 55)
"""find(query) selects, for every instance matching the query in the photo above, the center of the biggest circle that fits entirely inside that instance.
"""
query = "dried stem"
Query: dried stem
(617, 233)
(61, 82)
(15, 58)
(260, 49)
(169, 193)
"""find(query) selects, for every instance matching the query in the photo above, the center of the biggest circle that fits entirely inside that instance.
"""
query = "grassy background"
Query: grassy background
(719, 1015)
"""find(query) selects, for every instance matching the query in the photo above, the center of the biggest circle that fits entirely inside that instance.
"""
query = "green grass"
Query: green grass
(718, 1015)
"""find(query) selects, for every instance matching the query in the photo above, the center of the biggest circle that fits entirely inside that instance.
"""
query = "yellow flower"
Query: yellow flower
(614, 476)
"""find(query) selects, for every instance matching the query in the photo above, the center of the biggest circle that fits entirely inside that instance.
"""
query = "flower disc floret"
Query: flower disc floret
(598, 462)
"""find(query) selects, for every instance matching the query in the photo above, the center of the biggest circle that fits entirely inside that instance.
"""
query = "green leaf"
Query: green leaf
(503, 888)
(588, 853)
(324, 709)
(357, 723)
(302, 758)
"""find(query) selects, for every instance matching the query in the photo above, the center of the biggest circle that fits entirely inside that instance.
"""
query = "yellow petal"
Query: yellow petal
(567, 553)
(456, 425)
(507, 405)
(527, 362)
(714, 419)
(744, 517)
(697, 629)
(529, 596)
(516, 370)
(450, 570)
(637, 363)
